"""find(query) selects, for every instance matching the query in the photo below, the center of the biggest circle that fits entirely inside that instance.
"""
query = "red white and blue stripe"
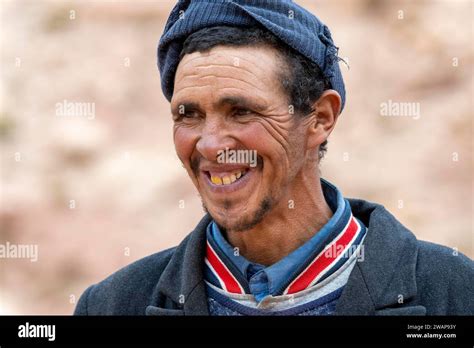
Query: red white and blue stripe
(327, 258)
(224, 276)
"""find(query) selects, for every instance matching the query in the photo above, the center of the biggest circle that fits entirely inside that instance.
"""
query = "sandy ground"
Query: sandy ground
(96, 193)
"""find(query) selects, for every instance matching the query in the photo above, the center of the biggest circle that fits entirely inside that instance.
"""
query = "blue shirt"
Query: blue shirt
(261, 281)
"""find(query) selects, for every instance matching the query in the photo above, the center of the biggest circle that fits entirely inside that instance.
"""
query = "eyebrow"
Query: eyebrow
(224, 101)
(239, 101)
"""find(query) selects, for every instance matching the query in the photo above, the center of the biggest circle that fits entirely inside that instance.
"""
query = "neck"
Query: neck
(298, 216)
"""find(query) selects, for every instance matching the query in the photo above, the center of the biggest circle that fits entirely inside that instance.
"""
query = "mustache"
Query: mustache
(195, 164)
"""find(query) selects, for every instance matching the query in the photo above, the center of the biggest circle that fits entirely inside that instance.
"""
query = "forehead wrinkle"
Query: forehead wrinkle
(231, 65)
(240, 71)
(196, 80)
(225, 78)
(260, 64)
(191, 86)
(240, 50)
(241, 91)
(210, 71)
(187, 60)
(213, 67)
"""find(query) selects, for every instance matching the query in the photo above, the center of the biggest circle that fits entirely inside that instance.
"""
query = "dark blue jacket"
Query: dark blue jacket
(400, 275)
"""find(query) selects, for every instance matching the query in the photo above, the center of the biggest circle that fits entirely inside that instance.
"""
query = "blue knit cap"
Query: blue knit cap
(294, 25)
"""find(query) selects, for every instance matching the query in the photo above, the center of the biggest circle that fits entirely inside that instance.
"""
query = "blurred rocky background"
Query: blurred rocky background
(97, 191)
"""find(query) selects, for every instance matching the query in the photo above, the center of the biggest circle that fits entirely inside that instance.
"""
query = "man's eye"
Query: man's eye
(242, 112)
(189, 114)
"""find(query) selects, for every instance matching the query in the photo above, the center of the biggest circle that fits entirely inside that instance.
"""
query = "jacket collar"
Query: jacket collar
(384, 283)
(181, 288)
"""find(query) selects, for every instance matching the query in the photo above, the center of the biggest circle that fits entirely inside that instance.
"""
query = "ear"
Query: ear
(325, 114)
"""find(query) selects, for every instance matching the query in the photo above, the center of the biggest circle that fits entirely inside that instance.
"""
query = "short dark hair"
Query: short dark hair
(302, 80)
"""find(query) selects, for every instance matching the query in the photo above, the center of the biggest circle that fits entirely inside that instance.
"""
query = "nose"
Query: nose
(215, 136)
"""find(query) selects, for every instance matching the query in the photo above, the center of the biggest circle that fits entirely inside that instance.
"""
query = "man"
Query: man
(255, 91)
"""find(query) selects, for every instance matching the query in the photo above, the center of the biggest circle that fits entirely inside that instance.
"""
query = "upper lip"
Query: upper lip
(223, 168)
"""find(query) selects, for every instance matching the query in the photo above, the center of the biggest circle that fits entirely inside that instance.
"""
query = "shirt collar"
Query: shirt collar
(295, 272)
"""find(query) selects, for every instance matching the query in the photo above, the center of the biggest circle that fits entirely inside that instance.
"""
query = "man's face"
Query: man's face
(231, 98)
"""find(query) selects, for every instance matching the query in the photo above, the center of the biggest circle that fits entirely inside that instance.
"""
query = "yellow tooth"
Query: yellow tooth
(216, 180)
(226, 180)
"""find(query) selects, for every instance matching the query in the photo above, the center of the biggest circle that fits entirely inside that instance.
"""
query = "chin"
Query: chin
(226, 220)
(234, 221)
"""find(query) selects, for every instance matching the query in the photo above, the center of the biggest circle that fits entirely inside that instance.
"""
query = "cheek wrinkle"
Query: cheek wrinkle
(195, 166)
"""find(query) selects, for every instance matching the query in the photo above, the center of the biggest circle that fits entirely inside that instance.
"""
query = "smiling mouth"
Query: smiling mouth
(227, 179)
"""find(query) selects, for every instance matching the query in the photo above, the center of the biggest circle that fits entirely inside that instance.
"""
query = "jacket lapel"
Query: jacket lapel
(181, 288)
(384, 282)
